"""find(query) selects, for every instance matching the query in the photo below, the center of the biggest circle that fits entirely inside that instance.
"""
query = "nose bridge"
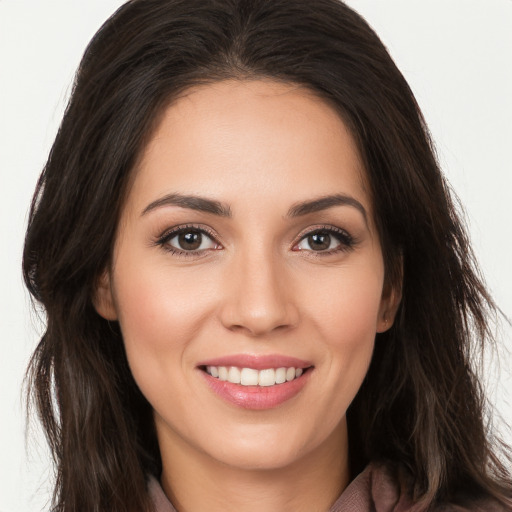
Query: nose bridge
(259, 300)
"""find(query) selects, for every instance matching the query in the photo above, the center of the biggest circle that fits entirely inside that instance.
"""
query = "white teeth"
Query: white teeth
(234, 375)
(249, 377)
(252, 377)
(280, 375)
(223, 373)
(267, 377)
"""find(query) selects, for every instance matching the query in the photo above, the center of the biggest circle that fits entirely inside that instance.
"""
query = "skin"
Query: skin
(255, 286)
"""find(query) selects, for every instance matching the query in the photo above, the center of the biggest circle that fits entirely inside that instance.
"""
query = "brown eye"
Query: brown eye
(319, 241)
(325, 240)
(189, 240)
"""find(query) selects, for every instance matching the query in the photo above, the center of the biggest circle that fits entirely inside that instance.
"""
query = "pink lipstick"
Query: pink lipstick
(256, 381)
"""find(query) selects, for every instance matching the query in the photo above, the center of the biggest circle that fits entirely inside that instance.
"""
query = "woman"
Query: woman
(258, 291)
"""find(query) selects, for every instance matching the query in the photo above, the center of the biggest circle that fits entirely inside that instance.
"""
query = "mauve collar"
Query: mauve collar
(373, 490)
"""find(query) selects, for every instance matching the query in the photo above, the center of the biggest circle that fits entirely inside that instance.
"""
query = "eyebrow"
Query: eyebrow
(325, 202)
(191, 202)
(214, 207)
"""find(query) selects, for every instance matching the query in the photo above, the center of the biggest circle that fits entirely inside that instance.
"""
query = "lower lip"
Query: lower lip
(257, 397)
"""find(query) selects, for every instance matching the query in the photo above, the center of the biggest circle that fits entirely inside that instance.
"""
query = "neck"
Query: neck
(193, 481)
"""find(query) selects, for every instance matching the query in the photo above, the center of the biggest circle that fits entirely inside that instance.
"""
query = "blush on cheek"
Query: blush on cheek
(157, 321)
(352, 312)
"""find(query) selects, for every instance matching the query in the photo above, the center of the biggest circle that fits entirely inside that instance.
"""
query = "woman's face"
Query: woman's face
(247, 250)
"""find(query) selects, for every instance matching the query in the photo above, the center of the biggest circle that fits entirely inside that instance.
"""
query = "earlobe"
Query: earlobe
(389, 306)
(384, 323)
(103, 299)
(387, 312)
(391, 297)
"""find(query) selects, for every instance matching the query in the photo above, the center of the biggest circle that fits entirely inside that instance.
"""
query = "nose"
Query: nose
(259, 298)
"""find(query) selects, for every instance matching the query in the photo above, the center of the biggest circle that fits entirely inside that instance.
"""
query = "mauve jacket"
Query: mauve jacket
(374, 490)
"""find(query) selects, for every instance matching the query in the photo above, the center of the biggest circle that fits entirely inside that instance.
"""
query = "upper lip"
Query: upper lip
(257, 361)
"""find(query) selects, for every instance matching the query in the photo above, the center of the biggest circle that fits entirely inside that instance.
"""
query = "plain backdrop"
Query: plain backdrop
(457, 57)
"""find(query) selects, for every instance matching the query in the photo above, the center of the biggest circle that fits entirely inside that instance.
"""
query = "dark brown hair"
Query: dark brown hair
(421, 407)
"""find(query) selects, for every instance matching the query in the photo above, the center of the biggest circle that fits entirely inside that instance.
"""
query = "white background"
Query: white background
(456, 55)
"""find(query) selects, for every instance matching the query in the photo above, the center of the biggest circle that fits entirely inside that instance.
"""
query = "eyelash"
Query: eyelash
(346, 241)
(164, 239)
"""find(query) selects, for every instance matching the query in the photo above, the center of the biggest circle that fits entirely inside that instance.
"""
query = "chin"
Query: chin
(272, 447)
(259, 458)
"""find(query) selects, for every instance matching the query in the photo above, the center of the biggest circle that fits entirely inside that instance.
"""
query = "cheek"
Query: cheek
(159, 313)
(348, 308)
(346, 318)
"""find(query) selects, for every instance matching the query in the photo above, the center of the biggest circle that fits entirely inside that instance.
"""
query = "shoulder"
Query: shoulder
(468, 505)
(383, 488)
(477, 506)
(376, 488)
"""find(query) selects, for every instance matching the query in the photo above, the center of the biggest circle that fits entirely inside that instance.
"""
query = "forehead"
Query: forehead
(229, 138)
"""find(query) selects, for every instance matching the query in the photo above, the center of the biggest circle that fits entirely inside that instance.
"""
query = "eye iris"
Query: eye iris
(319, 241)
(190, 240)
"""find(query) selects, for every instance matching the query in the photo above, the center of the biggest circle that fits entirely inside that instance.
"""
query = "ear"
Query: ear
(391, 297)
(388, 308)
(103, 299)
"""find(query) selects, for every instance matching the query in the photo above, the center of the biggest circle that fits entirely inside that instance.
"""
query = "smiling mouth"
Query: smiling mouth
(256, 382)
(251, 377)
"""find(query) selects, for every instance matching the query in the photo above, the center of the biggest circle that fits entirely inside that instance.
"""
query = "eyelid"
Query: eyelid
(163, 239)
(347, 241)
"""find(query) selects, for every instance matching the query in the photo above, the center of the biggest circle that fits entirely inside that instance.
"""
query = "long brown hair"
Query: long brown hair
(421, 407)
